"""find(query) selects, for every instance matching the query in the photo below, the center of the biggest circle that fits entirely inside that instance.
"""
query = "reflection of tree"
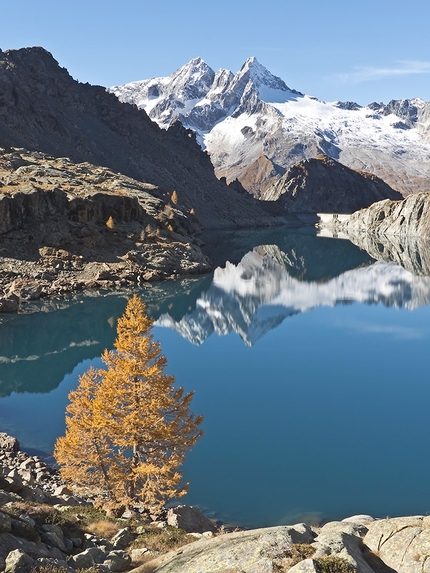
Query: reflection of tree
(38, 350)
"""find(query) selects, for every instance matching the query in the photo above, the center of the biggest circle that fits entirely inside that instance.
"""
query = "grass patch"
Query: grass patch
(162, 540)
(333, 564)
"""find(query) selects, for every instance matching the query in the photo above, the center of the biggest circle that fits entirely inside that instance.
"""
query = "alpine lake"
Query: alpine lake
(309, 361)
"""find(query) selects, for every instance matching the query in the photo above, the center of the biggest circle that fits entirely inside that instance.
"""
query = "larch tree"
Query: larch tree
(128, 429)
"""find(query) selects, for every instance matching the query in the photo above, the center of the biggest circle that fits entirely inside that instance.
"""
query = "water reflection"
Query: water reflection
(412, 253)
(267, 286)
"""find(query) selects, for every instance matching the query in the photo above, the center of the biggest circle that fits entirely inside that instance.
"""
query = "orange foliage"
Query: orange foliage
(128, 428)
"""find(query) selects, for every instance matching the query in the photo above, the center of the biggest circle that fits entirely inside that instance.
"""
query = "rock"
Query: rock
(137, 554)
(12, 483)
(402, 543)
(360, 519)
(22, 528)
(8, 443)
(410, 217)
(5, 522)
(87, 558)
(117, 561)
(255, 551)
(123, 538)
(189, 518)
(63, 490)
(9, 304)
(343, 539)
(18, 562)
(6, 497)
(54, 540)
(26, 289)
(305, 566)
(140, 530)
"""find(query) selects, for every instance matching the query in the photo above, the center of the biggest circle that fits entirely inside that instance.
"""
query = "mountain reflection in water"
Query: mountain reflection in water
(257, 294)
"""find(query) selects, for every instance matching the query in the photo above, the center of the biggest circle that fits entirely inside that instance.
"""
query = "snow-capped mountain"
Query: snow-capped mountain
(256, 295)
(254, 126)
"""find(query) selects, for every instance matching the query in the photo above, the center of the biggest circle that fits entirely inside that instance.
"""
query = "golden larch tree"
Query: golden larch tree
(128, 429)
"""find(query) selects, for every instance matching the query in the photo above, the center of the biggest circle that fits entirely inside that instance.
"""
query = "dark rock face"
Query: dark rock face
(323, 185)
(42, 108)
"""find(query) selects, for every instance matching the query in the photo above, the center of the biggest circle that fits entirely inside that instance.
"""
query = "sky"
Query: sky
(363, 51)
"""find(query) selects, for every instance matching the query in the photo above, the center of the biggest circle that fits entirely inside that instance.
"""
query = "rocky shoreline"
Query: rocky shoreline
(46, 527)
(69, 227)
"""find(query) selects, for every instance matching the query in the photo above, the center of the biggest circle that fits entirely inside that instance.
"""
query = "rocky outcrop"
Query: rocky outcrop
(322, 185)
(255, 551)
(66, 227)
(44, 109)
(407, 218)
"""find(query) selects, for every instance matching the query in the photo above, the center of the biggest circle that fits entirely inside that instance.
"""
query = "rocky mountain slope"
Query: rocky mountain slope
(67, 227)
(255, 127)
(322, 184)
(42, 108)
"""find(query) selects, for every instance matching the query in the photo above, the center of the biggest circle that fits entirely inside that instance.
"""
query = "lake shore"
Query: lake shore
(44, 524)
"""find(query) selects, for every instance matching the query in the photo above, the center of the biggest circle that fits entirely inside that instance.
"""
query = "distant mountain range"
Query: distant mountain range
(255, 127)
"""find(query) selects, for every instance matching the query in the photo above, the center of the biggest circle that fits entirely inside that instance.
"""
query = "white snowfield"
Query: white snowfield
(240, 117)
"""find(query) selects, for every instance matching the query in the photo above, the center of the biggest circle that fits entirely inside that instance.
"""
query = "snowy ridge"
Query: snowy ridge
(256, 295)
(241, 117)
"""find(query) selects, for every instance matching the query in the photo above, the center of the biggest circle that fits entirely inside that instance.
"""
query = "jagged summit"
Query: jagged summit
(260, 76)
(254, 127)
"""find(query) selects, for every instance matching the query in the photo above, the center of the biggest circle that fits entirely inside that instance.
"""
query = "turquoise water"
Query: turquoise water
(309, 363)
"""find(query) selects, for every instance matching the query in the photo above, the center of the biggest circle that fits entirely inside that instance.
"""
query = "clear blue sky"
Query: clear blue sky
(368, 50)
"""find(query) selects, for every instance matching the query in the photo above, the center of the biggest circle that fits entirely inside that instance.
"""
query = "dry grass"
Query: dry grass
(103, 528)
(163, 540)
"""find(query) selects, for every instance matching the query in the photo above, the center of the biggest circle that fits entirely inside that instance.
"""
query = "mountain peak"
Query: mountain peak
(260, 76)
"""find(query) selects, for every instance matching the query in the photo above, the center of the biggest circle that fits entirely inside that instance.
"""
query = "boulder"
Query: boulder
(189, 518)
(18, 562)
(117, 561)
(5, 522)
(123, 538)
(9, 304)
(87, 558)
(343, 539)
(305, 566)
(403, 543)
(255, 551)
(8, 443)
(6, 497)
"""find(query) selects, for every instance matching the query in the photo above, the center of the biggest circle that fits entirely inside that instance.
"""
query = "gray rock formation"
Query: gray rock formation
(253, 551)
(402, 543)
(407, 218)
(324, 185)
(189, 519)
